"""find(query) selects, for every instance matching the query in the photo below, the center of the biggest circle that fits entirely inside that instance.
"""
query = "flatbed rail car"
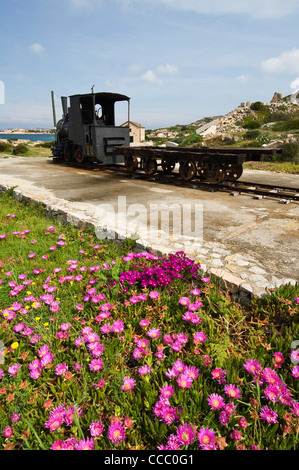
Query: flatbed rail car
(208, 164)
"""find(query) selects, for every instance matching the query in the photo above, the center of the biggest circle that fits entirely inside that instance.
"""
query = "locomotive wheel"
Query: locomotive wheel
(167, 165)
(79, 157)
(187, 170)
(218, 174)
(131, 163)
(234, 172)
(149, 166)
(67, 153)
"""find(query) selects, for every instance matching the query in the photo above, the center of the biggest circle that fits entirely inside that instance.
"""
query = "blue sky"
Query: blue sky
(178, 60)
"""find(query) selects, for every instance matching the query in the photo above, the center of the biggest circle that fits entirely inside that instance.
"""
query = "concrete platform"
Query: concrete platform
(250, 243)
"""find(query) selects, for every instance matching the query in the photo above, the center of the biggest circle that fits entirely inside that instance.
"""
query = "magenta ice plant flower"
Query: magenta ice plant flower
(61, 369)
(7, 432)
(207, 439)
(116, 433)
(186, 434)
(215, 401)
(232, 391)
(96, 428)
(268, 415)
(128, 384)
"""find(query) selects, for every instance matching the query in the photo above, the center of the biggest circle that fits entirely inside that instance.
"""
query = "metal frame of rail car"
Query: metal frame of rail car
(83, 134)
(206, 163)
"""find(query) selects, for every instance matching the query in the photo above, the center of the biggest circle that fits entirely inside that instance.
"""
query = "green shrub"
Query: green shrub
(20, 149)
(288, 125)
(192, 139)
(251, 122)
(4, 147)
(252, 134)
(258, 106)
(290, 153)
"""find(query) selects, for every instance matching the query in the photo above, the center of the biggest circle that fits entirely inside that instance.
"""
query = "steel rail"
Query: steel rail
(259, 189)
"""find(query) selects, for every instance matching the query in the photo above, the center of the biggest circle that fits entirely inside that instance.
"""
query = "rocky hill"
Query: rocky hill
(250, 124)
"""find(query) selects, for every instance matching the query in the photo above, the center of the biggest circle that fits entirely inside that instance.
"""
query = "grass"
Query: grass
(276, 167)
(33, 150)
(99, 352)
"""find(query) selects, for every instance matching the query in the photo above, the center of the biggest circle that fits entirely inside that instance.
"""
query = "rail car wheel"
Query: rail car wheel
(187, 170)
(149, 165)
(203, 171)
(233, 172)
(79, 157)
(167, 165)
(67, 152)
(131, 163)
(217, 174)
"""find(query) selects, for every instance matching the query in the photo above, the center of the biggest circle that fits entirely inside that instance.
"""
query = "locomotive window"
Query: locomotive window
(87, 111)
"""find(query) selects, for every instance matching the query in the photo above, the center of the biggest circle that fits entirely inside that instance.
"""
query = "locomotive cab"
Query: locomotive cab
(88, 129)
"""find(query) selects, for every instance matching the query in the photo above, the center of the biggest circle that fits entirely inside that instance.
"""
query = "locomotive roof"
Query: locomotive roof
(106, 95)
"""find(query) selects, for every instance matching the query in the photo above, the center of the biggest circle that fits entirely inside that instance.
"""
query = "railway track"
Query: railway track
(235, 187)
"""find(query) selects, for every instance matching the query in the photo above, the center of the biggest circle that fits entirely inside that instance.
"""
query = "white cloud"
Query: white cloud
(151, 77)
(167, 69)
(254, 8)
(135, 68)
(295, 84)
(286, 63)
(37, 48)
(154, 77)
(242, 79)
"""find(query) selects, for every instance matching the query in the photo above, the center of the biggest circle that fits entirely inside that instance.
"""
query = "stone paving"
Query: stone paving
(251, 246)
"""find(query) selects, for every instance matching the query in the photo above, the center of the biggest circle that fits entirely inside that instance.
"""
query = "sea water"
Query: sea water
(32, 137)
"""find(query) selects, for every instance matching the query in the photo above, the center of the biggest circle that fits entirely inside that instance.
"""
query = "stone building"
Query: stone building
(137, 131)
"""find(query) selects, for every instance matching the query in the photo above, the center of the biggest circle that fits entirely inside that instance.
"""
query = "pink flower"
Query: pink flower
(54, 422)
(61, 369)
(167, 391)
(232, 391)
(14, 369)
(184, 301)
(215, 401)
(207, 439)
(252, 366)
(236, 435)
(278, 359)
(116, 433)
(199, 337)
(184, 381)
(118, 326)
(96, 428)
(153, 332)
(7, 432)
(85, 444)
(185, 434)
(295, 372)
(144, 370)
(128, 384)
(96, 365)
(154, 295)
(144, 323)
(268, 415)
